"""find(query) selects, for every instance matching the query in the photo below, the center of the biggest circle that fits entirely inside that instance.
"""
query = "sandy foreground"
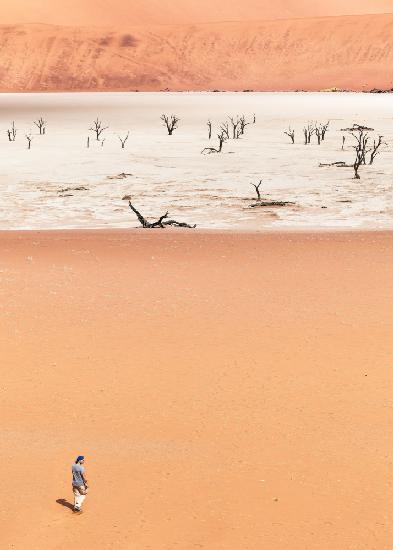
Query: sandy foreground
(230, 391)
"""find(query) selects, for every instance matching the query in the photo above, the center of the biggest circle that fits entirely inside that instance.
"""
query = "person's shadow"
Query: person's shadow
(65, 503)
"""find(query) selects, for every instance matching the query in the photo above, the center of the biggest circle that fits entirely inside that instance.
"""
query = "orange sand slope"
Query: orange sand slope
(150, 12)
(230, 391)
(312, 54)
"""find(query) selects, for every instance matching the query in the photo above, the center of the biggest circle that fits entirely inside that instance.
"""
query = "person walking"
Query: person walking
(79, 483)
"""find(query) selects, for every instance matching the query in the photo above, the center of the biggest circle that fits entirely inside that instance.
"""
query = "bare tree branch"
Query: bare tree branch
(375, 149)
(161, 222)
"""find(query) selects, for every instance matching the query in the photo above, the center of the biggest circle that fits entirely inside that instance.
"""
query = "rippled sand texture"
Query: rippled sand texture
(39, 186)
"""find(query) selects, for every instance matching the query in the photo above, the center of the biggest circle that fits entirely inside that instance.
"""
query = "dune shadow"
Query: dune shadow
(65, 503)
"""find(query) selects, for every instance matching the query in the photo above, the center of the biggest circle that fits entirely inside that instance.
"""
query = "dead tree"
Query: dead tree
(320, 131)
(221, 140)
(224, 127)
(324, 128)
(375, 149)
(88, 142)
(41, 125)
(29, 138)
(361, 135)
(308, 132)
(170, 122)
(124, 139)
(234, 124)
(291, 134)
(162, 221)
(266, 203)
(254, 119)
(242, 125)
(357, 163)
(209, 128)
(361, 149)
(257, 186)
(271, 203)
(11, 132)
(339, 164)
(305, 136)
(362, 139)
(98, 128)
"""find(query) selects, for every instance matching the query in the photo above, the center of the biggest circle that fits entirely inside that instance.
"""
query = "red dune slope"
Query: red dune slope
(148, 12)
(349, 52)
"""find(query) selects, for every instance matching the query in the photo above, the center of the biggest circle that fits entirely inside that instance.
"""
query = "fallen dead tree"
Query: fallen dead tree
(121, 176)
(221, 140)
(271, 203)
(339, 164)
(260, 202)
(66, 189)
(162, 221)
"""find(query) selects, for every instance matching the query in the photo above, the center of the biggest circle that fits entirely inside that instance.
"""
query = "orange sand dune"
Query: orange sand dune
(148, 12)
(230, 391)
(312, 54)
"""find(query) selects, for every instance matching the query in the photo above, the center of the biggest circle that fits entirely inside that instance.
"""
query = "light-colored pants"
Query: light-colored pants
(79, 495)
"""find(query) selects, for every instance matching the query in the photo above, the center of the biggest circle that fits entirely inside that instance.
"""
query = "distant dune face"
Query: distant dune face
(310, 54)
(148, 12)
